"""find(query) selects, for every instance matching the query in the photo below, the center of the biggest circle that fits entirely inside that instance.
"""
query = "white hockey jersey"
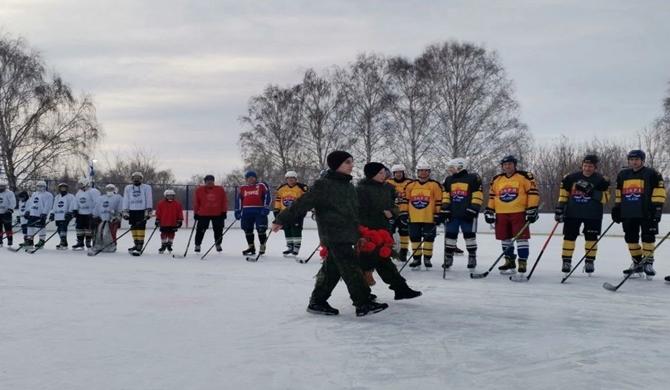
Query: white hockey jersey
(63, 204)
(85, 202)
(40, 203)
(7, 201)
(23, 207)
(108, 207)
(137, 197)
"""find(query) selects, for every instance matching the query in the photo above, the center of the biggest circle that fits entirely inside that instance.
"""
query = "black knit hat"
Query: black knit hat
(209, 178)
(336, 158)
(371, 169)
(591, 159)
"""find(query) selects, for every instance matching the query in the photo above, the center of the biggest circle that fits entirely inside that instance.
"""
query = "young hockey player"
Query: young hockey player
(252, 206)
(640, 195)
(62, 213)
(580, 202)
(107, 216)
(424, 197)
(137, 207)
(513, 202)
(335, 202)
(376, 207)
(288, 193)
(21, 218)
(461, 204)
(401, 223)
(39, 207)
(85, 200)
(7, 207)
(210, 204)
(169, 218)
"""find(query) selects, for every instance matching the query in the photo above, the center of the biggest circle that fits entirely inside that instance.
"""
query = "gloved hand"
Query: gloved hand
(147, 214)
(26, 215)
(238, 214)
(532, 215)
(125, 215)
(52, 217)
(18, 220)
(75, 212)
(438, 218)
(157, 223)
(585, 187)
(265, 212)
(403, 219)
(445, 215)
(224, 215)
(68, 217)
(471, 213)
(179, 223)
(616, 214)
(490, 216)
(559, 214)
(658, 213)
(196, 217)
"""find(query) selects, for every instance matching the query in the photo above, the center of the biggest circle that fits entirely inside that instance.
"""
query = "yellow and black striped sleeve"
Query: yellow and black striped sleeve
(619, 186)
(277, 204)
(533, 194)
(564, 190)
(658, 193)
(446, 195)
(604, 189)
(477, 193)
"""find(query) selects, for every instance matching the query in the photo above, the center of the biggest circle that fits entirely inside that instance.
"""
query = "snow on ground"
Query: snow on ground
(69, 321)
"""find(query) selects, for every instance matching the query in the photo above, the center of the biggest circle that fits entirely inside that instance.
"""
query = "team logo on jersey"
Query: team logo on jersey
(459, 192)
(249, 192)
(105, 204)
(508, 194)
(632, 194)
(137, 192)
(61, 204)
(579, 197)
(82, 200)
(288, 200)
(420, 201)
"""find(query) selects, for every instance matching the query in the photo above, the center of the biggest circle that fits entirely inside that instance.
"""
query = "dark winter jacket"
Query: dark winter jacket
(335, 205)
(373, 199)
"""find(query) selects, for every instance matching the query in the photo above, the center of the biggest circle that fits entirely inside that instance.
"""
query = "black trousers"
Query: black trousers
(203, 224)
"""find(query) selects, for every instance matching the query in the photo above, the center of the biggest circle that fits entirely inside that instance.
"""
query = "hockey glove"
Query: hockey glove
(68, 217)
(196, 217)
(489, 216)
(51, 217)
(585, 187)
(147, 214)
(179, 223)
(43, 220)
(18, 220)
(531, 215)
(471, 213)
(438, 218)
(126, 215)
(26, 215)
(559, 214)
(616, 214)
(238, 214)
(445, 215)
(157, 223)
(224, 215)
(658, 213)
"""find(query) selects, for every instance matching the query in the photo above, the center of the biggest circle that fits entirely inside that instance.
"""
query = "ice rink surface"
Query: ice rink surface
(70, 321)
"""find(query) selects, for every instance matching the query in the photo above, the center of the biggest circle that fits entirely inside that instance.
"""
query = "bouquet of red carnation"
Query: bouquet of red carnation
(374, 244)
(323, 252)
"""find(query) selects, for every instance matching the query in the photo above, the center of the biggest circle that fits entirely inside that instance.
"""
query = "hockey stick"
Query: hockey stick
(97, 251)
(609, 286)
(411, 256)
(521, 278)
(36, 248)
(301, 261)
(214, 244)
(34, 234)
(251, 259)
(188, 244)
(516, 237)
(587, 252)
(146, 244)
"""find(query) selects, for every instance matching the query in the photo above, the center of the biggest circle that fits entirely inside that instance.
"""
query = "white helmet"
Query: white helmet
(169, 192)
(293, 174)
(84, 182)
(3, 183)
(423, 165)
(137, 174)
(110, 188)
(458, 164)
(41, 185)
(398, 168)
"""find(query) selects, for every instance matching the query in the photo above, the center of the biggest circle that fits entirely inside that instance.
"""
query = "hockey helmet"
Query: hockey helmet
(398, 168)
(3, 184)
(41, 185)
(637, 153)
(508, 159)
(60, 185)
(84, 182)
(458, 164)
(292, 174)
(137, 175)
(169, 193)
(110, 188)
(423, 166)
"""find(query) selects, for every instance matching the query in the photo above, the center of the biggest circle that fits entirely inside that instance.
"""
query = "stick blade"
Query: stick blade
(251, 259)
(609, 286)
(520, 278)
(479, 276)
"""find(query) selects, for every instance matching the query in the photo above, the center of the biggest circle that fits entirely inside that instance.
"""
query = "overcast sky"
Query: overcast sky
(173, 77)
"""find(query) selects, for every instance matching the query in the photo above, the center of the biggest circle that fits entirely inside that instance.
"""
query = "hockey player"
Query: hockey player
(376, 207)
(335, 202)
(7, 207)
(424, 197)
(107, 216)
(252, 206)
(640, 195)
(461, 204)
(39, 207)
(401, 224)
(210, 204)
(21, 218)
(169, 218)
(288, 193)
(62, 213)
(513, 202)
(137, 208)
(580, 202)
(85, 200)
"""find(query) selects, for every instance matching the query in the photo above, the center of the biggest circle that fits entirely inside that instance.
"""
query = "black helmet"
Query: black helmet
(23, 195)
(591, 159)
(509, 158)
(637, 153)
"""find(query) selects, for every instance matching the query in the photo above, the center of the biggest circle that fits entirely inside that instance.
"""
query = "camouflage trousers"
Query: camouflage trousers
(341, 263)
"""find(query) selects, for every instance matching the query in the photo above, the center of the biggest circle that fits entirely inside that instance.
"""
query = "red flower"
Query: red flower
(385, 252)
(323, 252)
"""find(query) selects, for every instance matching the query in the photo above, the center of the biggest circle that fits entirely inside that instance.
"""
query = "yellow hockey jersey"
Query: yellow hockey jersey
(400, 195)
(286, 195)
(514, 194)
(424, 200)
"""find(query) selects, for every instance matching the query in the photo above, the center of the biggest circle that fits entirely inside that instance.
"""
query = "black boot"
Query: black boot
(322, 308)
(415, 263)
(402, 255)
(370, 308)
(251, 250)
(405, 292)
(567, 265)
(635, 268)
(589, 266)
(161, 250)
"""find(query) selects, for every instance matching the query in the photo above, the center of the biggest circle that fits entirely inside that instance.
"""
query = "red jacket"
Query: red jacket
(168, 213)
(210, 201)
